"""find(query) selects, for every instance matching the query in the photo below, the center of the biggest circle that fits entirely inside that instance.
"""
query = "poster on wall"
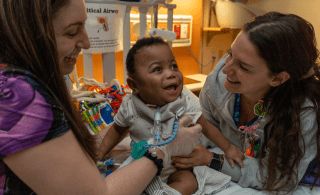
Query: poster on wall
(105, 27)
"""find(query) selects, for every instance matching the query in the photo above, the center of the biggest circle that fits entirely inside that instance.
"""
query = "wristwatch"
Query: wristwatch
(216, 161)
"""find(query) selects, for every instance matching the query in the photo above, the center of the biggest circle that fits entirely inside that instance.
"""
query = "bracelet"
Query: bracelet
(216, 161)
(158, 162)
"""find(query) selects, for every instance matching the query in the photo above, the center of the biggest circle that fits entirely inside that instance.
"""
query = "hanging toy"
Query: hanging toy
(258, 109)
(253, 147)
(250, 151)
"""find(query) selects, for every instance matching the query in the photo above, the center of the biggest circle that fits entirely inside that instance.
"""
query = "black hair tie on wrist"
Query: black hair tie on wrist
(158, 162)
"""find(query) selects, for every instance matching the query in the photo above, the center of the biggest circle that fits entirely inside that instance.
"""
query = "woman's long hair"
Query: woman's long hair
(28, 41)
(287, 43)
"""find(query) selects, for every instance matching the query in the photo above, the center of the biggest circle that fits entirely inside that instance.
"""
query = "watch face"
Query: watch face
(215, 162)
(216, 157)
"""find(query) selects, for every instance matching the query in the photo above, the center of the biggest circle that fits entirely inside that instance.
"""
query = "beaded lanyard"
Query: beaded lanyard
(141, 147)
(259, 111)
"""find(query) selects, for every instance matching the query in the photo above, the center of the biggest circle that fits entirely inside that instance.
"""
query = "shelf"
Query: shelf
(218, 29)
(162, 18)
(201, 78)
(212, 31)
(177, 19)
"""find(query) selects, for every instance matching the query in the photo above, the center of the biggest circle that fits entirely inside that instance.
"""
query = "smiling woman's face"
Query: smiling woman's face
(70, 32)
(247, 73)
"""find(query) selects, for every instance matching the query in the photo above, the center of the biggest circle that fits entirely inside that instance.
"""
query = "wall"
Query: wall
(307, 9)
(217, 44)
(214, 43)
(187, 64)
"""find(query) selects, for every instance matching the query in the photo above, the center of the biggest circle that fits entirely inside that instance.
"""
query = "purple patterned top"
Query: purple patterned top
(29, 115)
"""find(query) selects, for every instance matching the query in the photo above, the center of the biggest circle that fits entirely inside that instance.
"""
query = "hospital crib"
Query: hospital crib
(108, 59)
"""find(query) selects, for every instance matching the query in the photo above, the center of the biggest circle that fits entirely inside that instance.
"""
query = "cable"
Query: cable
(213, 57)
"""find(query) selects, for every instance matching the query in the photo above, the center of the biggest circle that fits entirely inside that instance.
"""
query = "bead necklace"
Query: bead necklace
(141, 147)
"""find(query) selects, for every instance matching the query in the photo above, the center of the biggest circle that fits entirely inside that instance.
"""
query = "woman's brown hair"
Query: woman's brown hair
(287, 43)
(28, 41)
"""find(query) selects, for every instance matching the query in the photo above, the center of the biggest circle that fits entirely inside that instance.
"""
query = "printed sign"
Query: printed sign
(105, 27)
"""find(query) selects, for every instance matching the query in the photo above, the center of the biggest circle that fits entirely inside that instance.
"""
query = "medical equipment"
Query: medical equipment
(108, 59)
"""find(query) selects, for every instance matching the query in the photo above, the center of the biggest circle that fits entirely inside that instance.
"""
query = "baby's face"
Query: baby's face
(158, 78)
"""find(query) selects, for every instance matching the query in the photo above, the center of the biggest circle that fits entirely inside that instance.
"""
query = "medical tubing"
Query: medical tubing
(117, 159)
(157, 129)
(174, 133)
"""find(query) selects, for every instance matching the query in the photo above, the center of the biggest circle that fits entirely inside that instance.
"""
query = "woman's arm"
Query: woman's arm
(113, 136)
(309, 129)
(250, 176)
(215, 135)
(61, 166)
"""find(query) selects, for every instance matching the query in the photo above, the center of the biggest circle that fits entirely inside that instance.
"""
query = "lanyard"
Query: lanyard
(254, 139)
(236, 114)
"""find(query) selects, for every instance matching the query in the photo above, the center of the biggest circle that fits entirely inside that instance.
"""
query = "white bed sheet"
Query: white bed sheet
(235, 189)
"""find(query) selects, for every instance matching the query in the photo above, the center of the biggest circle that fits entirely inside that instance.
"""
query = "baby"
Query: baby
(157, 84)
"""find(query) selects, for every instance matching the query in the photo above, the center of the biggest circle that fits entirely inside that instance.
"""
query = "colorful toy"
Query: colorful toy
(99, 114)
(98, 118)
(253, 147)
(249, 152)
(89, 113)
(106, 112)
(84, 113)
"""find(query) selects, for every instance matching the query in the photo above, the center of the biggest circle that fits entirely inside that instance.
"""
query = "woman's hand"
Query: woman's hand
(185, 141)
(160, 154)
(234, 153)
(200, 156)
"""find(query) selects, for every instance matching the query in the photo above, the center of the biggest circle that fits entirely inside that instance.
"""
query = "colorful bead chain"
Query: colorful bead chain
(174, 132)
(141, 147)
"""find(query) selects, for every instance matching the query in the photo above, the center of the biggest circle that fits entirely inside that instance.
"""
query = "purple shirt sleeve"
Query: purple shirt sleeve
(25, 116)
(28, 117)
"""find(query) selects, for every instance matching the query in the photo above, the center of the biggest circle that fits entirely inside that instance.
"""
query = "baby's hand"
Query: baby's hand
(234, 153)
